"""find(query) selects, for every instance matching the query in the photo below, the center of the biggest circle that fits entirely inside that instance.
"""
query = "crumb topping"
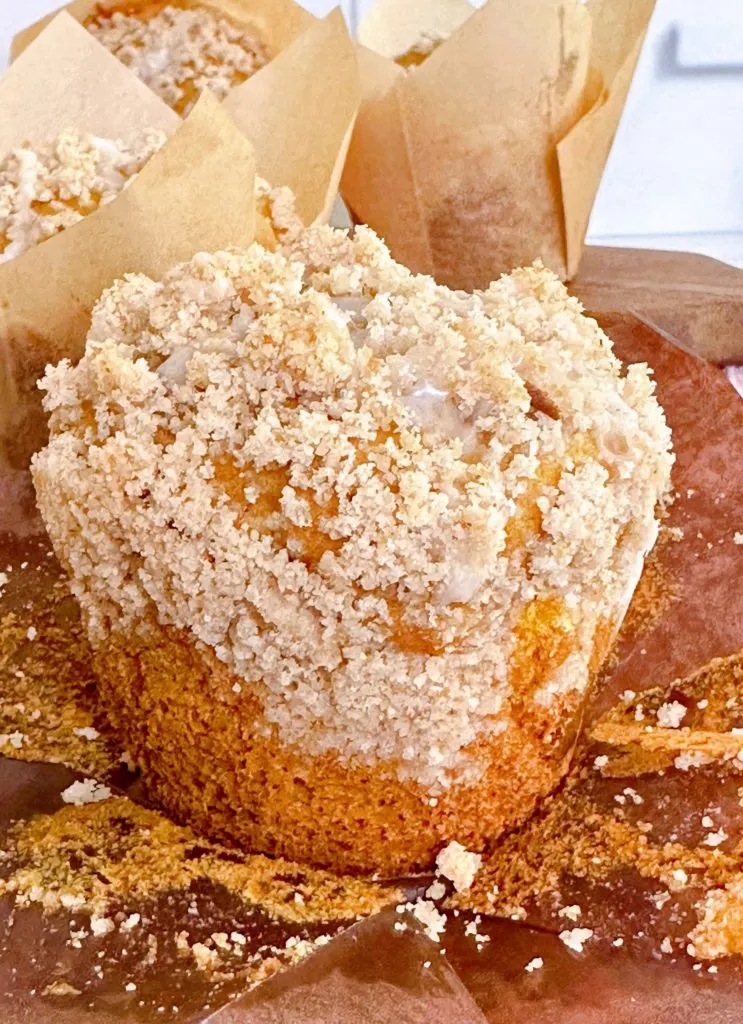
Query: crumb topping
(278, 205)
(394, 510)
(180, 51)
(45, 189)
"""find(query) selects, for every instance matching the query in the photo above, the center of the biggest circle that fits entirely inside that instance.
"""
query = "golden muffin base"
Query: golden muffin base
(206, 762)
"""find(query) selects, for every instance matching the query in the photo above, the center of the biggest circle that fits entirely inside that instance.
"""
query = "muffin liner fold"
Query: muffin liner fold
(490, 153)
(196, 193)
(299, 111)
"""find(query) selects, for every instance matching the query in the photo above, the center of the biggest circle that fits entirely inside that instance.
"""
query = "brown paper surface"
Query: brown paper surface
(298, 112)
(490, 153)
(401, 975)
(195, 193)
(694, 300)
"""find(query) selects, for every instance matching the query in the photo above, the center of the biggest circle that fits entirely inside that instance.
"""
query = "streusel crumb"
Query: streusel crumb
(180, 50)
(278, 204)
(45, 189)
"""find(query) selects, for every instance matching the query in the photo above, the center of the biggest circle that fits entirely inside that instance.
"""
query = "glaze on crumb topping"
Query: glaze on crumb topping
(178, 51)
(45, 189)
(396, 511)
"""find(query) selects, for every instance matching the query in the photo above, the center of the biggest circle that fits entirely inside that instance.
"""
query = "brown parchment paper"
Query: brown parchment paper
(695, 301)
(299, 110)
(373, 966)
(490, 153)
(196, 193)
(68, 79)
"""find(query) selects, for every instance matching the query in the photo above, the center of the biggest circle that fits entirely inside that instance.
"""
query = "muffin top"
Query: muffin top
(372, 497)
(179, 50)
(45, 189)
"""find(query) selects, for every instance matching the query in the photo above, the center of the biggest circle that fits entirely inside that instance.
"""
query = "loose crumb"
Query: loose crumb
(534, 965)
(576, 938)
(87, 791)
(572, 913)
(671, 715)
(458, 865)
(433, 921)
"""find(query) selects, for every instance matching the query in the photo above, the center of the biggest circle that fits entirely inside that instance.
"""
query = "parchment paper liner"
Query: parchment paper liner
(195, 193)
(298, 110)
(604, 983)
(491, 152)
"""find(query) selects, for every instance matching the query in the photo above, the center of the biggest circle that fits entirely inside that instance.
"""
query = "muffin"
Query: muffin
(179, 49)
(350, 546)
(45, 189)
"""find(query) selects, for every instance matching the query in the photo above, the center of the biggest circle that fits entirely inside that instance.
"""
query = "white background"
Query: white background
(675, 175)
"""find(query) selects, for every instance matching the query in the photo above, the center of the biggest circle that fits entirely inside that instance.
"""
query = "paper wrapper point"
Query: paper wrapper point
(490, 154)
(299, 111)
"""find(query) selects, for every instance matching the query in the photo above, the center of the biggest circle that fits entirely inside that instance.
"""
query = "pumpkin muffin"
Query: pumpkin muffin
(349, 545)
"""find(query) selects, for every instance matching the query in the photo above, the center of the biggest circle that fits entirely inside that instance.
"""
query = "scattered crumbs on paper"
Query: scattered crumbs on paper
(671, 714)
(87, 791)
(534, 965)
(576, 938)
